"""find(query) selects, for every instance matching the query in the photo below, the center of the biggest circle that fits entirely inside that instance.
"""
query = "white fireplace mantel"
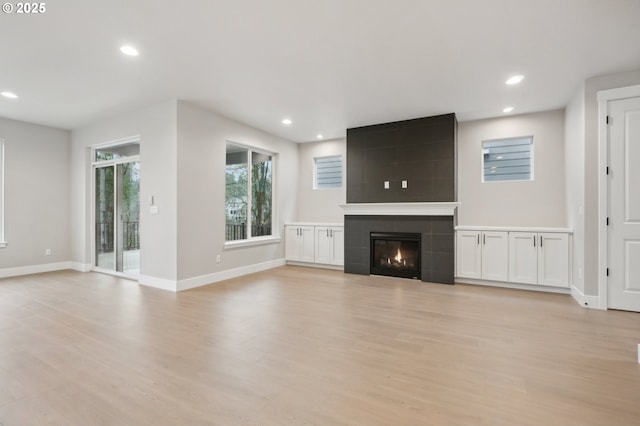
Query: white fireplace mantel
(400, 209)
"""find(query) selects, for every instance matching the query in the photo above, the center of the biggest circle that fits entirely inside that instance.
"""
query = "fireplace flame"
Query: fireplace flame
(398, 257)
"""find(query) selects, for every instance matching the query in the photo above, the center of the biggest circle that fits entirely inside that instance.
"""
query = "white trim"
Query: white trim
(255, 241)
(36, 269)
(3, 242)
(215, 277)
(159, 283)
(513, 229)
(316, 265)
(591, 302)
(515, 286)
(604, 97)
(400, 209)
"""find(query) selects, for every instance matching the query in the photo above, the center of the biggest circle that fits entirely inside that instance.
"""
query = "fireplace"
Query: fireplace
(395, 254)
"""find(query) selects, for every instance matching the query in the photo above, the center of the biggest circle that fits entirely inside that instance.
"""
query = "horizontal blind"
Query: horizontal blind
(328, 172)
(508, 159)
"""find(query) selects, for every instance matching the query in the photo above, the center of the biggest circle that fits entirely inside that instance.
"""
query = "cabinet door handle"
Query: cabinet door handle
(540, 241)
(484, 239)
(534, 240)
(327, 233)
(478, 239)
(331, 233)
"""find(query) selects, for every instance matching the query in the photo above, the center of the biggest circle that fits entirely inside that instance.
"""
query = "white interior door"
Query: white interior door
(624, 205)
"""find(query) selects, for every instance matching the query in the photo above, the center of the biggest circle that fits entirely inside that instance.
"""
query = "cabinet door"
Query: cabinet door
(324, 245)
(307, 253)
(523, 257)
(553, 259)
(468, 254)
(495, 255)
(292, 243)
(337, 237)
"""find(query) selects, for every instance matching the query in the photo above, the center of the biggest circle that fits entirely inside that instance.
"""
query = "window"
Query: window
(508, 159)
(248, 193)
(328, 172)
(3, 243)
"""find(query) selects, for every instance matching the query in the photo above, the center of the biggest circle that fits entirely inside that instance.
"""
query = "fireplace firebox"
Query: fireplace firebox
(395, 254)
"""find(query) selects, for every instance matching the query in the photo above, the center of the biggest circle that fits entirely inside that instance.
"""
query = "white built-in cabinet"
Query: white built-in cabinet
(299, 243)
(482, 255)
(518, 256)
(539, 258)
(315, 244)
(330, 245)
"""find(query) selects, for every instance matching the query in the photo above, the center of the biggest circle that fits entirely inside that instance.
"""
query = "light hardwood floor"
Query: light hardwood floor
(302, 346)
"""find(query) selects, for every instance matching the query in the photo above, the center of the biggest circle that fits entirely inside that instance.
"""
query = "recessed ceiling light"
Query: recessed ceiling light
(319, 136)
(9, 95)
(515, 79)
(286, 121)
(507, 109)
(129, 50)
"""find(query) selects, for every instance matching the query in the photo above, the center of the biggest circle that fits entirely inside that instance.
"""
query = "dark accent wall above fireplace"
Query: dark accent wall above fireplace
(420, 151)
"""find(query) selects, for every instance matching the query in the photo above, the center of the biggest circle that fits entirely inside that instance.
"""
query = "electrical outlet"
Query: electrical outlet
(218, 258)
(47, 252)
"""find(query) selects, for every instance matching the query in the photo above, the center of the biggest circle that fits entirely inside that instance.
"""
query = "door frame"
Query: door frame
(604, 97)
(92, 202)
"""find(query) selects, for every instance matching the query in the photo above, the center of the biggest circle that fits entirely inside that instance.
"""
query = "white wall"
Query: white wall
(36, 184)
(592, 86)
(202, 137)
(574, 170)
(320, 205)
(540, 202)
(156, 127)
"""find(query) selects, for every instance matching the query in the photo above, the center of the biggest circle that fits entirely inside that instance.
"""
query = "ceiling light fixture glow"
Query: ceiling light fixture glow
(507, 109)
(287, 121)
(129, 50)
(319, 136)
(9, 95)
(514, 80)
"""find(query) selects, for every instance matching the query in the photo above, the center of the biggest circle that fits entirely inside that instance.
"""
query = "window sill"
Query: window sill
(252, 242)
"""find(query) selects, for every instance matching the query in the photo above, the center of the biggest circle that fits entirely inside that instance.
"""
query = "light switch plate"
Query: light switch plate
(154, 210)
(386, 184)
(404, 184)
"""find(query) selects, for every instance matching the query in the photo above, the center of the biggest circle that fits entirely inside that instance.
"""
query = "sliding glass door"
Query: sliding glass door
(117, 210)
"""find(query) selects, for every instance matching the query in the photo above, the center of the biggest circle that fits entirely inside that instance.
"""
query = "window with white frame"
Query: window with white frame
(506, 160)
(249, 207)
(3, 243)
(327, 172)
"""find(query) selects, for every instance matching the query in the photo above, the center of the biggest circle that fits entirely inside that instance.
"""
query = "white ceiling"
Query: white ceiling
(327, 64)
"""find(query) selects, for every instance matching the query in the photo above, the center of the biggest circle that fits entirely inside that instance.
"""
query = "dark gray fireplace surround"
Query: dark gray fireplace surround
(422, 152)
(436, 250)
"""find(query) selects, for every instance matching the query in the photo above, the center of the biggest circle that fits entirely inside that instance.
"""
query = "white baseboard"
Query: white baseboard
(35, 269)
(160, 283)
(215, 277)
(316, 265)
(516, 286)
(80, 267)
(591, 302)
